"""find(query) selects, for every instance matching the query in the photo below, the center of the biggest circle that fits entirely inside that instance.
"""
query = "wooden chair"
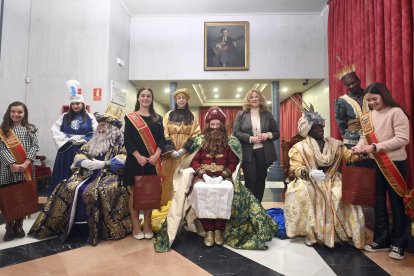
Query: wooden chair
(43, 173)
(286, 145)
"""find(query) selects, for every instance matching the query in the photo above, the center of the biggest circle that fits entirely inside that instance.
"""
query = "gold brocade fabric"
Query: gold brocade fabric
(104, 197)
(179, 133)
(313, 208)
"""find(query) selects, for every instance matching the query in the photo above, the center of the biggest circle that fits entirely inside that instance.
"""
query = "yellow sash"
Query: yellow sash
(354, 104)
(147, 137)
(16, 149)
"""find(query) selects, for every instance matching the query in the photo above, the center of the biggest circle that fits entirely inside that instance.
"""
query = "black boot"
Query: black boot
(9, 232)
(18, 229)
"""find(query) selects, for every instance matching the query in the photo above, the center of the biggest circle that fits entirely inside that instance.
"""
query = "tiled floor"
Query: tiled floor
(189, 256)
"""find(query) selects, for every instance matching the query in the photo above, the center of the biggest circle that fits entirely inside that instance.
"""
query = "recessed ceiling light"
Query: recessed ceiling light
(167, 90)
(216, 96)
(237, 95)
(239, 89)
(215, 89)
(284, 89)
(269, 102)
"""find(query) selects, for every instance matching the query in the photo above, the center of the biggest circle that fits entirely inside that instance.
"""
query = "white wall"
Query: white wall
(14, 49)
(68, 40)
(281, 46)
(319, 94)
(54, 41)
(119, 30)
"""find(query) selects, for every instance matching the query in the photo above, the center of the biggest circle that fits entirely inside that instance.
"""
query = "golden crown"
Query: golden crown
(345, 71)
(113, 110)
(184, 91)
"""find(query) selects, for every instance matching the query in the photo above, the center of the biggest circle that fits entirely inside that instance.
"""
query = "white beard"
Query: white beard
(101, 142)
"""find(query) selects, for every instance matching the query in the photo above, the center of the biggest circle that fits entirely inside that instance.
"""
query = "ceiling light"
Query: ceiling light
(284, 89)
(216, 96)
(167, 90)
(239, 89)
(237, 95)
(269, 102)
(215, 89)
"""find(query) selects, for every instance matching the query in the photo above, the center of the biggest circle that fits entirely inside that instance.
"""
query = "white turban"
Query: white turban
(304, 126)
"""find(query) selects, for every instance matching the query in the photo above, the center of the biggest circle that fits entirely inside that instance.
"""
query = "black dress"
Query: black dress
(133, 142)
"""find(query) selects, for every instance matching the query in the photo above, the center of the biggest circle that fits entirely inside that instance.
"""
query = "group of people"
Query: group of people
(370, 122)
(96, 187)
(93, 176)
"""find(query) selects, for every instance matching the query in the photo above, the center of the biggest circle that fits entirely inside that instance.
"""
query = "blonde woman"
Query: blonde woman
(256, 129)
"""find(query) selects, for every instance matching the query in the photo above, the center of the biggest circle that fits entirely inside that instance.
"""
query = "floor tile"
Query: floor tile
(217, 260)
(27, 224)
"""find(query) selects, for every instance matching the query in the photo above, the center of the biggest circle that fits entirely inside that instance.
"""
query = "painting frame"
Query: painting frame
(226, 46)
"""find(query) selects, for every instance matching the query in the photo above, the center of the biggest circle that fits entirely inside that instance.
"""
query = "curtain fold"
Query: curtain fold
(376, 36)
(289, 117)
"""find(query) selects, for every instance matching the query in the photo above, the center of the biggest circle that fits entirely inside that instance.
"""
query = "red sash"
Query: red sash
(16, 149)
(388, 168)
(147, 137)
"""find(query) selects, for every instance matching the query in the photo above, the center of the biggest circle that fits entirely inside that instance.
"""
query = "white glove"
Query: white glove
(216, 180)
(75, 138)
(175, 154)
(79, 142)
(181, 152)
(317, 174)
(85, 163)
(96, 165)
(207, 179)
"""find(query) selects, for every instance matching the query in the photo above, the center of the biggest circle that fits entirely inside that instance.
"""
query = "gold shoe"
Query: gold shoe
(209, 239)
(218, 237)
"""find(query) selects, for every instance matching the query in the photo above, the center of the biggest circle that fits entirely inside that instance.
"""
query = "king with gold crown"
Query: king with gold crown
(94, 195)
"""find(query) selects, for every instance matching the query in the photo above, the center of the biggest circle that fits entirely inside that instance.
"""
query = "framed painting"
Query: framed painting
(226, 45)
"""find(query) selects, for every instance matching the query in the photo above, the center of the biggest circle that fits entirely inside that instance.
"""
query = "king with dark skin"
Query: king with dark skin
(316, 132)
(346, 110)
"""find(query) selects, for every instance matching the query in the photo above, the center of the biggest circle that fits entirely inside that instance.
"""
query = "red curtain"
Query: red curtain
(376, 36)
(230, 111)
(289, 116)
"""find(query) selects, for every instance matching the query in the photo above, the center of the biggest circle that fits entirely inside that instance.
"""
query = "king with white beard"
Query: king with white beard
(94, 194)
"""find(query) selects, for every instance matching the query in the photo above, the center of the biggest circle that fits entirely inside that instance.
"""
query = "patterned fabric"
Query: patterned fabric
(178, 133)
(249, 226)
(345, 112)
(313, 208)
(28, 138)
(62, 133)
(105, 199)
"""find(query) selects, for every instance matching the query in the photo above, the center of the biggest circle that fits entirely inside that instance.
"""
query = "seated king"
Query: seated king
(209, 198)
(94, 194)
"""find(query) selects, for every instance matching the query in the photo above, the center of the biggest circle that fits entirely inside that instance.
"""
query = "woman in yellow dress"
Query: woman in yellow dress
(180, 126)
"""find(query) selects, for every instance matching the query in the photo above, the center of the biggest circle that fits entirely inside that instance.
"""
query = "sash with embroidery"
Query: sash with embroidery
(388, 168)
(16, 149)
(147, 137)
(355, 105)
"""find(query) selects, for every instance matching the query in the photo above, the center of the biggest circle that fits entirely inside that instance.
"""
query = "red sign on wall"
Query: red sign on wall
(97, 94)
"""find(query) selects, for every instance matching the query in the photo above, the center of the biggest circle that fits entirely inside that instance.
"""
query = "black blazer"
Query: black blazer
(243, 130)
